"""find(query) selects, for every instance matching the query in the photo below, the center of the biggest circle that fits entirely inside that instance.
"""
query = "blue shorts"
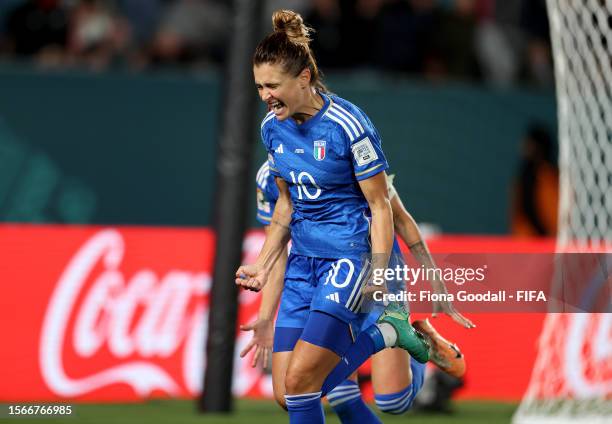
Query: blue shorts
(332, 286)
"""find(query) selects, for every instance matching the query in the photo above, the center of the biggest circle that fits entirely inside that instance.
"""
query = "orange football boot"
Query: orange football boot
(444, 354)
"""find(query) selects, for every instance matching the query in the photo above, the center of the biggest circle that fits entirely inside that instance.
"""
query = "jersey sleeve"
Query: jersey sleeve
(265, 204)
(368, 158)
(265, 207)
(367, 153)
(266, 130)
(363, 139)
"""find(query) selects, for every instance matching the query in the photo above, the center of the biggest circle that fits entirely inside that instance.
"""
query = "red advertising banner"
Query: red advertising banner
(93, 313)
(105, 314)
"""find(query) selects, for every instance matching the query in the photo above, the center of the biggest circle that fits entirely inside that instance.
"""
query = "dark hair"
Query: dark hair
(289, 45)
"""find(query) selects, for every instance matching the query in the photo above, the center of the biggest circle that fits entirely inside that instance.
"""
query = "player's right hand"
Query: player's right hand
(251, 277)
(262, 341)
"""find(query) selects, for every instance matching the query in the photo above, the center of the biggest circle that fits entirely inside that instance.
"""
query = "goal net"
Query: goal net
(572, 376)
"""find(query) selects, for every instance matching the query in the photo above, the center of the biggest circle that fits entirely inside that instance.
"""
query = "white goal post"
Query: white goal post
(572, 377)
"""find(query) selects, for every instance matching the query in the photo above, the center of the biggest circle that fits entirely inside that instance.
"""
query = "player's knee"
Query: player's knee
(395, 403)
(294, 382)
(280, 399)
(299, 380)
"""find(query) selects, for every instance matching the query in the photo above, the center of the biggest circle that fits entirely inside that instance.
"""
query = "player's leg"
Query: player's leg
(391, 374)
(292, 316)
(326, 336)
(339, 293)
(345, 400)
(396, 379)
(308, 366)
(315, 355)
(347, 403)
(391, 371)
(375, 338)
(280, 362)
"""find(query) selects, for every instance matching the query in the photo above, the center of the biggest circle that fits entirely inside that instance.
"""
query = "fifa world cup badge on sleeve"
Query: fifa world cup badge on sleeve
(364, 152)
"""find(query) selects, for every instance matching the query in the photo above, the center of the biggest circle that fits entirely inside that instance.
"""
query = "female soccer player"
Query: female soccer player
(396, 379)
(329, 168)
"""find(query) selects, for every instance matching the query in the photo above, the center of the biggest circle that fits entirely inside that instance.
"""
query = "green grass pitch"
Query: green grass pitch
(254, 412)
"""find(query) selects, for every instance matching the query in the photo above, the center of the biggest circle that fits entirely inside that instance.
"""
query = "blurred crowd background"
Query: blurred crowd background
(461, 91)
(500, 42)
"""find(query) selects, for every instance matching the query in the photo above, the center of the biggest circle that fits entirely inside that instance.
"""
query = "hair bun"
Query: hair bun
(292, 24)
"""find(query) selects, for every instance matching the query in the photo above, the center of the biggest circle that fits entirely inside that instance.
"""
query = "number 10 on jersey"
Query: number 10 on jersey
(303, 189)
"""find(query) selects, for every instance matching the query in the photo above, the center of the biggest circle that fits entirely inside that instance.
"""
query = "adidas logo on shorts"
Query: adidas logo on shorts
(333, 297)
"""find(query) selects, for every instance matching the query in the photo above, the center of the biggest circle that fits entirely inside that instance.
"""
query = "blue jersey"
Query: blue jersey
(322, 161)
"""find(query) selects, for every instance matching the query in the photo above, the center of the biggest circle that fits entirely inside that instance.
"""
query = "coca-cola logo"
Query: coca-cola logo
(106, 318)
(136, 327)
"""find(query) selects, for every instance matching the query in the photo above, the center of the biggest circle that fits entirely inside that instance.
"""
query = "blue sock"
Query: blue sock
(305, 408)
(395, 403)
(369, 342)
(346, 401)
(400, 402)
(418, 374)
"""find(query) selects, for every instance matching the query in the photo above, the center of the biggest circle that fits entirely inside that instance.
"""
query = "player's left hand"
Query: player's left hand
(263, 338)
(447, 308)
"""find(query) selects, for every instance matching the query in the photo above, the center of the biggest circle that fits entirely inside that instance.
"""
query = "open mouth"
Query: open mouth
(276, 106)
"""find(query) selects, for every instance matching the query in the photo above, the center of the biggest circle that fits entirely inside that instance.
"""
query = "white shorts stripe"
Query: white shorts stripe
(359, 298)
(355, 296)
(359, 303)
(356, 286)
